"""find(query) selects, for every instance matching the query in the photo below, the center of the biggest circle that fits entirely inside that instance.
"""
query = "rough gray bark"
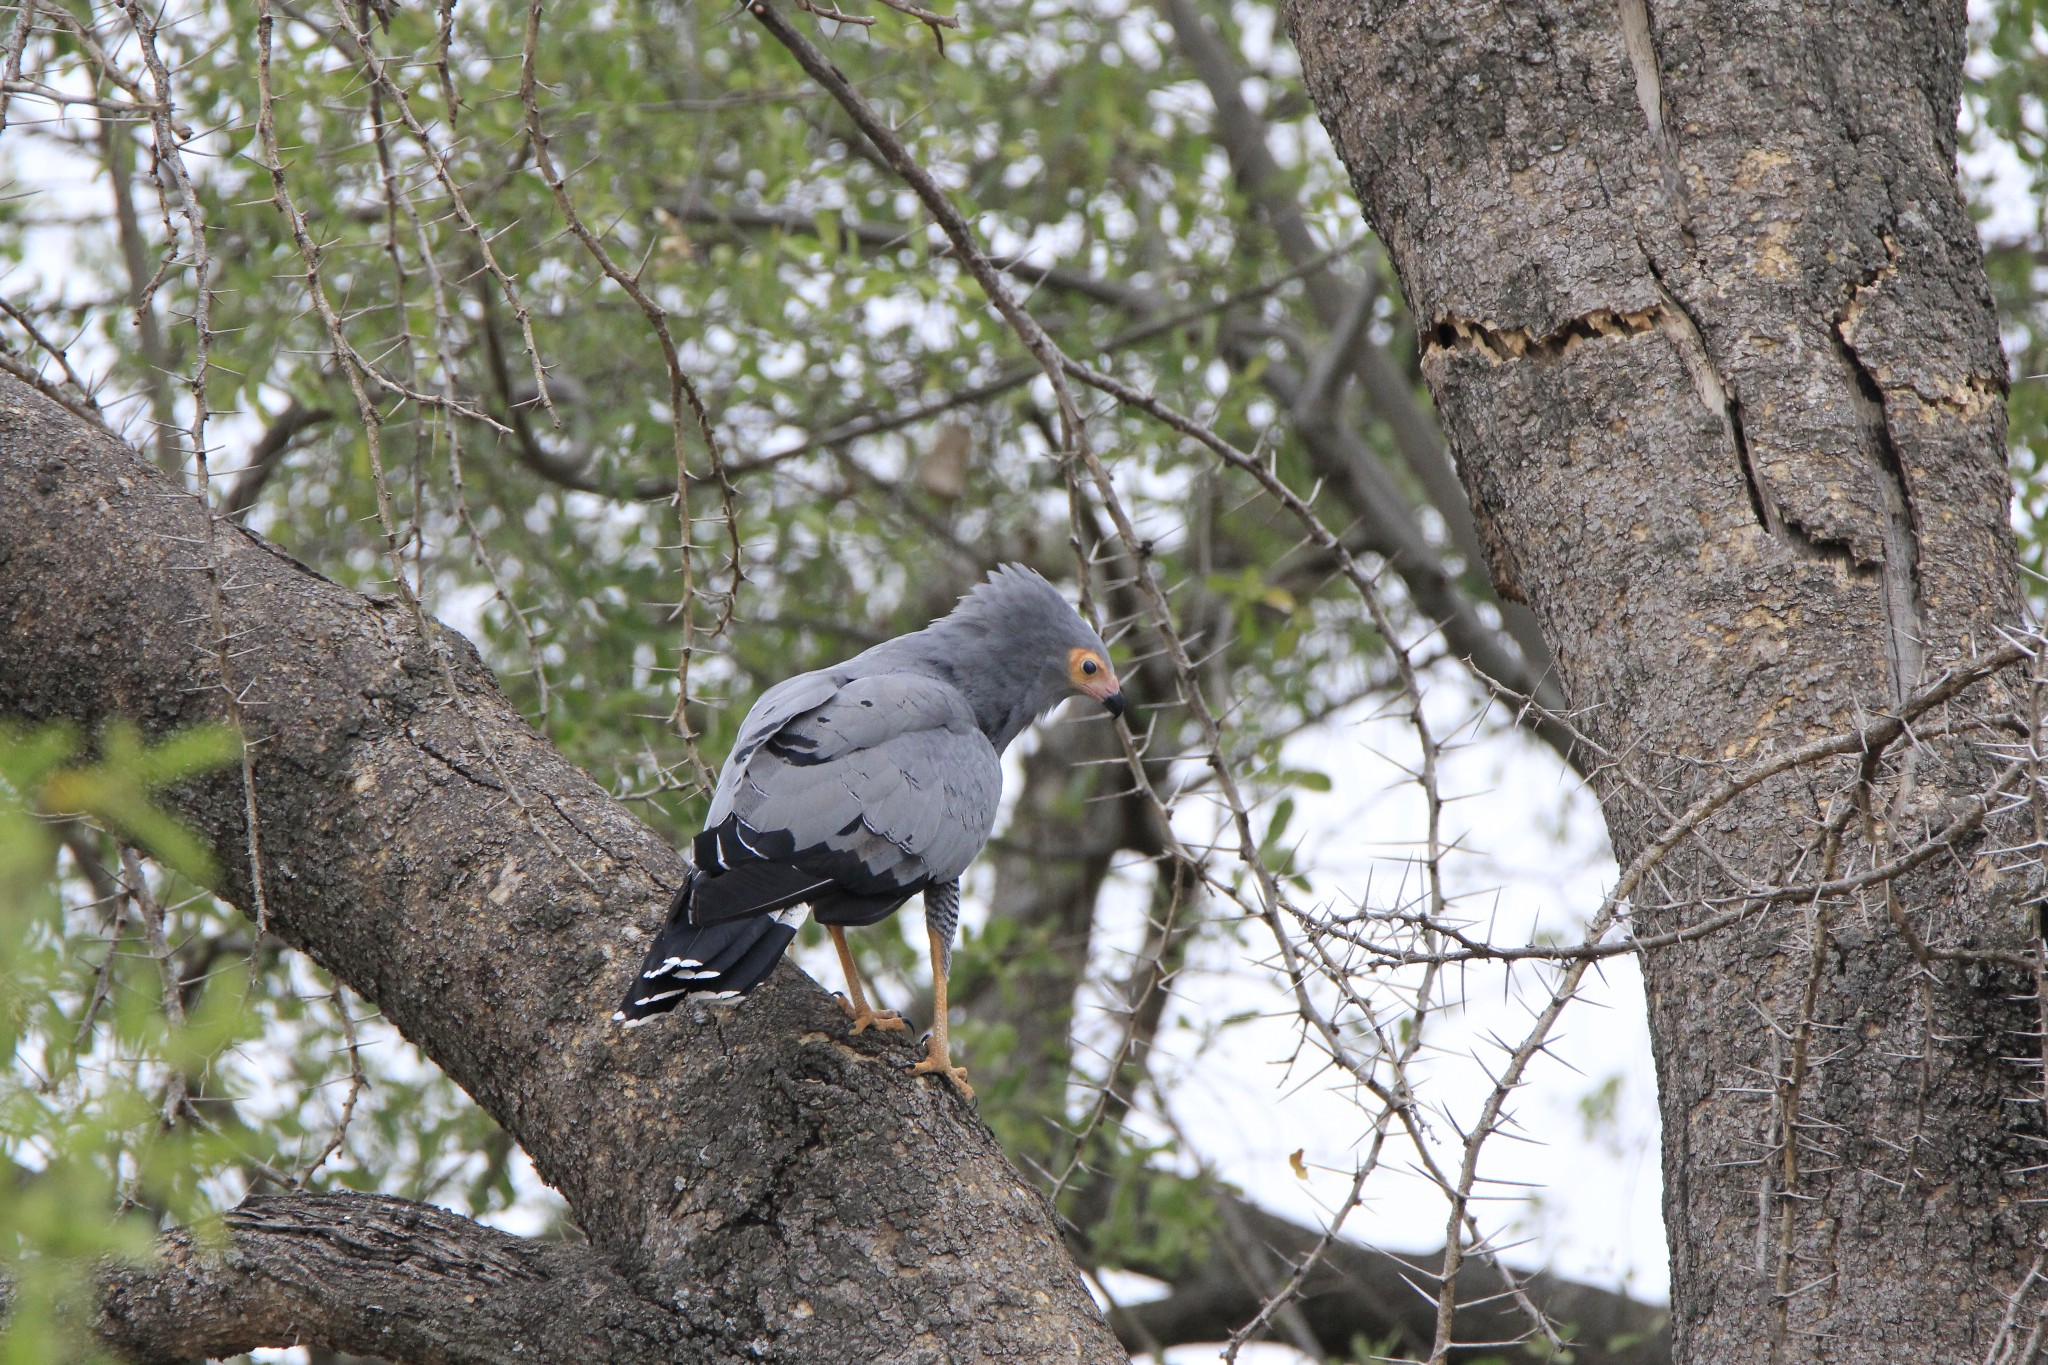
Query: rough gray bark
(386, 1278)
(784, 1191)
(1707, 323)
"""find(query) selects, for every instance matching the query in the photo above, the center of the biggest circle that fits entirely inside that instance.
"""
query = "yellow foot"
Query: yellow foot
(943, 1066)
(888, 1021)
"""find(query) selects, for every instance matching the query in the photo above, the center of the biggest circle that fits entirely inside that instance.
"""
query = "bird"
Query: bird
(852, 788)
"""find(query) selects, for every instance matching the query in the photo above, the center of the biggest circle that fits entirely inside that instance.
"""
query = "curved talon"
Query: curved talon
(888, 1021)
(864, 1018)
(941, 1065)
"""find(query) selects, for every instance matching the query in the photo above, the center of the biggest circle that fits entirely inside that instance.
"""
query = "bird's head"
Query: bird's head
(1089, 673)
(1031, 649)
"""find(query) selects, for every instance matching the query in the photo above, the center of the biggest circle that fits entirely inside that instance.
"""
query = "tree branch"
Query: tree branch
(757, 1157)
(882, 236)
(381, 1277)
(1386, 528)
(1358, 1293)
(267, 455)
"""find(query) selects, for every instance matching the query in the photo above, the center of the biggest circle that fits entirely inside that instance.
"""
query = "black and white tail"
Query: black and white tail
(720, 961)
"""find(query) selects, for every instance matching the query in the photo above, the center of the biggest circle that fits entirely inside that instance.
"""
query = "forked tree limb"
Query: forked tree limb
(781, 1187)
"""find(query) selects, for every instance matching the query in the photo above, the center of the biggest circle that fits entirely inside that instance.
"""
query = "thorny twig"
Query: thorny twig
(170, 156)
(356, 1082)
(372, 418)
(57, 353)
(358, 44)
(682, 393)
(396, 204)
(151, 914)
(85, 854)
(17, 48)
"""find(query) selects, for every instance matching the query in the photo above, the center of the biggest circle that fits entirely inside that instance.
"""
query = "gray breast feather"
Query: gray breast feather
(888, 773)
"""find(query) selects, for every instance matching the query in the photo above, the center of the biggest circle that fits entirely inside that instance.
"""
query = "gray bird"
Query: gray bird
(854, 788)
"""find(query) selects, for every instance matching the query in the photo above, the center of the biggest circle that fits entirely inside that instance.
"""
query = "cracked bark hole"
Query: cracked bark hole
(1502, 344)
(1898, 566)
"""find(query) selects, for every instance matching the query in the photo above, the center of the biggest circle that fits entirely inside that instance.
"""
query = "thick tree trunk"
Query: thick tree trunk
(781, 1190)
(1707, 323)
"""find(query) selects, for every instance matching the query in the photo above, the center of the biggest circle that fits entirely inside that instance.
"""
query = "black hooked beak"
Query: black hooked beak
(1114, 702)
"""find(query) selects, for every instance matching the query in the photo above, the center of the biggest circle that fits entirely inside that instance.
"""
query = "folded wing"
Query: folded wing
(850, 794)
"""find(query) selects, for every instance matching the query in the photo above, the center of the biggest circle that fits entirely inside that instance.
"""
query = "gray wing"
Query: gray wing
(881, 786)
(771, 711)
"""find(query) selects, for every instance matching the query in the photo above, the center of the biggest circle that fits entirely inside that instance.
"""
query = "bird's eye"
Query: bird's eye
(1090, 667)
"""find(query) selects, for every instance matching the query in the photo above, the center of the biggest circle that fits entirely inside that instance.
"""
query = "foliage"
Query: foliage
(881, 431)
(89, 1163)
(2006, 126)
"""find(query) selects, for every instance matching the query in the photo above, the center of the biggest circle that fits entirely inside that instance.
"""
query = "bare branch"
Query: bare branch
(883, 236)
(56, 353)
(683, 397)
(384, 1277)
(267, 455)
(1356, 1292)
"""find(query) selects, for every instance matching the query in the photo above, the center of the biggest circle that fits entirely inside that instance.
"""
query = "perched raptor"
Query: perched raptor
(856, 787)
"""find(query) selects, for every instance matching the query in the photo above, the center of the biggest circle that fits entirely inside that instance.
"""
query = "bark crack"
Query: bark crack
(1905, 632)
(1502, 344)
(427, 748)
(1684, 330)
(1900, 534)
(1719, 398)
(1642, 59)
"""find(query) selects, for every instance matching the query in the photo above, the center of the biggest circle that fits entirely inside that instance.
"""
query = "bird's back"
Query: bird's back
(883, 786)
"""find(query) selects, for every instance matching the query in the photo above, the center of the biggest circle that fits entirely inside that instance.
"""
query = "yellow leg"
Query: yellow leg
(937, 1058)
(889, 1021)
